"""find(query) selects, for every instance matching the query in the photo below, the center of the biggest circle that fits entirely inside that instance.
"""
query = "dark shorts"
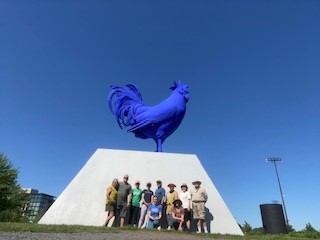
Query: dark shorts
(187, 215)
(110, 207)
(122, 210)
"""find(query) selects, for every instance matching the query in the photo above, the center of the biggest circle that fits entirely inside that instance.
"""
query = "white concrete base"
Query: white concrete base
(83, 200)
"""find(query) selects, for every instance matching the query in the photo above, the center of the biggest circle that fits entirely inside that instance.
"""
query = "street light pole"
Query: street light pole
(275, 160)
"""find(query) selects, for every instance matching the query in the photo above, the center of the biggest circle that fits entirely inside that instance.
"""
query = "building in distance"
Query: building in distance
(37, 205)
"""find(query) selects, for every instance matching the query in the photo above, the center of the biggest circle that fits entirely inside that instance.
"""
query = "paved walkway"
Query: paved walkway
(132, 235)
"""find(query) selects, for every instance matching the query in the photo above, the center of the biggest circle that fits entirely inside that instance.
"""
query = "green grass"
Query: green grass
(33, 227)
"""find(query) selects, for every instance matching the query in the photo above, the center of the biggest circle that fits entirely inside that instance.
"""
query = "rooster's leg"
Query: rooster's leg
(159, 145)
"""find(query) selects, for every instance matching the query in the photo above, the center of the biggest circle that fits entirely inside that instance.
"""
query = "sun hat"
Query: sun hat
(171, 185)
(197, 181)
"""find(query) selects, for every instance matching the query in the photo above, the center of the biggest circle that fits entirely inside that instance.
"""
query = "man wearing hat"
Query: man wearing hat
(160, 193)
(199, 197)
(170, 197)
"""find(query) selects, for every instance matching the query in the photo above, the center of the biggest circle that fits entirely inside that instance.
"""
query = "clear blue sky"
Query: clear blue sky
(253, 68)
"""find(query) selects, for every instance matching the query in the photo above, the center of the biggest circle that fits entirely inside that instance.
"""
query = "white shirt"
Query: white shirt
(185, 197)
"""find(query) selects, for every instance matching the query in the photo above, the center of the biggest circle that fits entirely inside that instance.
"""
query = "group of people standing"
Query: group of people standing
(158, 209)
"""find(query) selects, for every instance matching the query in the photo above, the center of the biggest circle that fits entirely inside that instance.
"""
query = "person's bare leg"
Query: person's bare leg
(180, 226)
(188, 224)
(106, 221)
(121, 222)
(111, 214)
(199, 226)
(205, 226)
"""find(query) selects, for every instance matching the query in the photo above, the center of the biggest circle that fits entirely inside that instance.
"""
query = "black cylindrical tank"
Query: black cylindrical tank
(272, 218)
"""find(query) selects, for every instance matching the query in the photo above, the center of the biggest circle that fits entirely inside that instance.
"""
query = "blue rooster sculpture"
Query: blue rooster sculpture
(157, 122)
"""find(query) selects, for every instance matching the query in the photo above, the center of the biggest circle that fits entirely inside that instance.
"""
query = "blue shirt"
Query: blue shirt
(155, 210)
(160, 193)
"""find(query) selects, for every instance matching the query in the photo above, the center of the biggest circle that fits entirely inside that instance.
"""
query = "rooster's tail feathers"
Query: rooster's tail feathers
(123, 102)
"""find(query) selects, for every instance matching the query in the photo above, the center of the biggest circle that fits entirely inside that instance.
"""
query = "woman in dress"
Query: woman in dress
(111, 200)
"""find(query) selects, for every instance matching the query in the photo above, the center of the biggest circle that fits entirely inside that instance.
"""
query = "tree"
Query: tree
(290, 228)
(309, 228)
(246, 228)
(310, 232)
(12, 197)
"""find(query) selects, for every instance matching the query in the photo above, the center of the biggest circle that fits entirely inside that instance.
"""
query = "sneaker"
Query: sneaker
(198, 232)
(159, 228)
(169, 228)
